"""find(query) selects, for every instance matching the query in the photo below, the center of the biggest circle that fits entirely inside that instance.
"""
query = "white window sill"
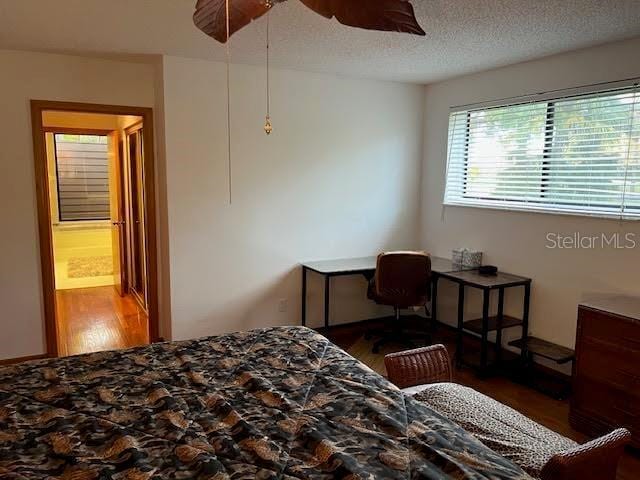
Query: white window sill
(541, 210)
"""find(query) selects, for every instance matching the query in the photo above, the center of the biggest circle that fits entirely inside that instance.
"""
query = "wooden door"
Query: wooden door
(116, 209)
(137, 230)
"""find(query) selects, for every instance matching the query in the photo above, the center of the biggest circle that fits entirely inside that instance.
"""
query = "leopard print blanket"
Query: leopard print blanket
(501, 428)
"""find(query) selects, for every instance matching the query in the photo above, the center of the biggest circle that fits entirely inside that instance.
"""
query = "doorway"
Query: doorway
(94, 178)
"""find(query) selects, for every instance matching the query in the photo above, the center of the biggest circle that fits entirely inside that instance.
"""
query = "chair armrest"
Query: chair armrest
(595, 460)
(419, 367)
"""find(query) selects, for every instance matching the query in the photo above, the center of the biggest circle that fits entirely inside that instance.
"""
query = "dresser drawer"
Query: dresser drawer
(599, 362)
(609, 405)
(606, 380)
(619, 332)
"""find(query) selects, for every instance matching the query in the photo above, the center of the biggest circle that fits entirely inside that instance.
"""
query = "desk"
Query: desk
(482, 326)
(365, 266)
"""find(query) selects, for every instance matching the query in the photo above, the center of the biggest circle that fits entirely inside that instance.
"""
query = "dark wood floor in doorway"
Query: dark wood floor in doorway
(96, 319)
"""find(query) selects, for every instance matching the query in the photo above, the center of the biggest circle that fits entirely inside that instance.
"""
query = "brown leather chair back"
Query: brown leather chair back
(403, 279)
(595, 460)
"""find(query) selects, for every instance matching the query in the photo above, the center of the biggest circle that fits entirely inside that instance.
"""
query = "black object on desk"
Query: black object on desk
(482, 326)
(488, 270)
(365, 266)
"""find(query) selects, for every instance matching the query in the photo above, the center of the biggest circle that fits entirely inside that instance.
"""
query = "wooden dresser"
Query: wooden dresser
(606, 379)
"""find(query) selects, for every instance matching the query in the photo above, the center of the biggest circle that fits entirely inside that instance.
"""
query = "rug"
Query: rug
(82, 267)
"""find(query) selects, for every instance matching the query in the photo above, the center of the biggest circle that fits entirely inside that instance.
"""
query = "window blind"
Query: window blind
(578, 154)
(82, 167)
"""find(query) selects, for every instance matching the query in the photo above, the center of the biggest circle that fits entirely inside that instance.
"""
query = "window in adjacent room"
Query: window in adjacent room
(578, 154)
(82, 171)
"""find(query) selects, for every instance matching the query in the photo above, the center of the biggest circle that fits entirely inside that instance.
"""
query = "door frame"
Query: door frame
(44, 212)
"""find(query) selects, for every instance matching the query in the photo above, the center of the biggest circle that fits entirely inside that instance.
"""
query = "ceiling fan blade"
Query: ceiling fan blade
(210, 16)
(386, 15)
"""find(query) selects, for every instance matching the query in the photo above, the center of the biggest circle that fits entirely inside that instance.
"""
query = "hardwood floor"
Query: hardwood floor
(96, 319)
(552, 413)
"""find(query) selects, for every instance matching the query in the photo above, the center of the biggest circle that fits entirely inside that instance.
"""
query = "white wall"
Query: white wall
(339, 177)
(27, 76)
(164, 277)
(514, 241)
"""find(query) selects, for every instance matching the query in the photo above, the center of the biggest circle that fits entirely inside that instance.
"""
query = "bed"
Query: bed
(275, 403)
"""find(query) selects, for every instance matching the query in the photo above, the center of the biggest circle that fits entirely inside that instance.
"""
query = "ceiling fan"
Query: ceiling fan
(385, 15)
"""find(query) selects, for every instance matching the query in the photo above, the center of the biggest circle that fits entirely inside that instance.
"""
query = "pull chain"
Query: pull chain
(268, 128)
(229, 99)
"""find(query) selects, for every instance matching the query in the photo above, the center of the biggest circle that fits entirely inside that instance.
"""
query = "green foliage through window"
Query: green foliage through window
(579, 154)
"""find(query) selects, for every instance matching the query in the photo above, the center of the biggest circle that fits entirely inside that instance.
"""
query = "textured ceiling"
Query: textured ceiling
(463, 36)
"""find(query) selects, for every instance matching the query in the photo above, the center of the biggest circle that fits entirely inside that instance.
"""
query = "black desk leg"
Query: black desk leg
(500, 318)
(460, 325)
(304, 296)
(434, 302)
(525, 321)
(327, 279)
(485, 330)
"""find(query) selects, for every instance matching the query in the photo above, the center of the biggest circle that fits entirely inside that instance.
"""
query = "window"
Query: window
(578, 154)
(82, 170)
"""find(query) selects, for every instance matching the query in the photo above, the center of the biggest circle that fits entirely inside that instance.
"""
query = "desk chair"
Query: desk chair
(402, 280)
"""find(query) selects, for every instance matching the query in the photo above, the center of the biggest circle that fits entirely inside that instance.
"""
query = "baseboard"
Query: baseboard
(12, 361)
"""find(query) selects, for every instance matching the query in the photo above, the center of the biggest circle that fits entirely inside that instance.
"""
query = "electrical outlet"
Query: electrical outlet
(283, 304)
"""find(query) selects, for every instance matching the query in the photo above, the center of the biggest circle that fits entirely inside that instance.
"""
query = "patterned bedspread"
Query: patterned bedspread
(276, 403)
